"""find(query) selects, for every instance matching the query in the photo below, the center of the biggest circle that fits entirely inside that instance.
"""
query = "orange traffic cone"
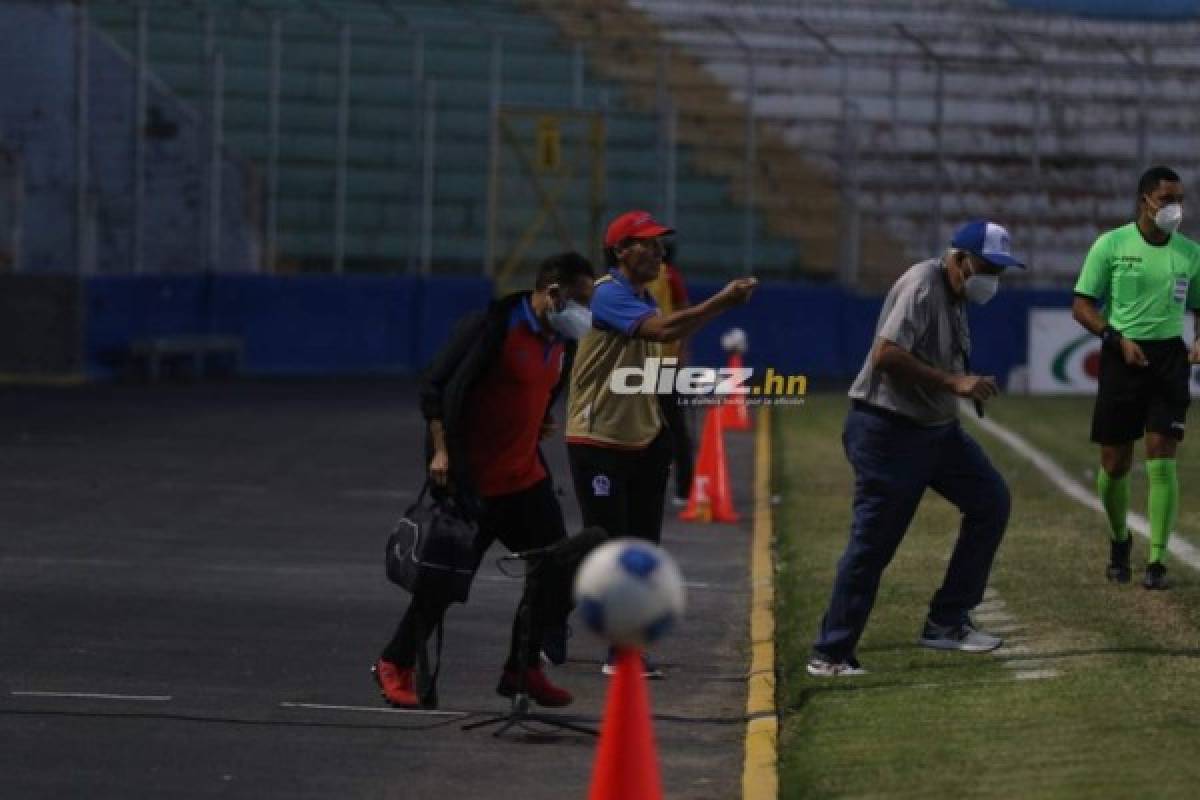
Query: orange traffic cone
(627, 761)
(710, 499)
(736, 415)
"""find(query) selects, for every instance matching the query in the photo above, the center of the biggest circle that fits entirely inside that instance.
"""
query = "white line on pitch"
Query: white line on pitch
(374, 710)
(157, 698)
(190, 486)
(1014, 651)
(1181, 549)
(378, 494)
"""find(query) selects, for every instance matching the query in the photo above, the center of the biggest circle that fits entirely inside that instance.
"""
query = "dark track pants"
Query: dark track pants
(894, 461)
(524, 520)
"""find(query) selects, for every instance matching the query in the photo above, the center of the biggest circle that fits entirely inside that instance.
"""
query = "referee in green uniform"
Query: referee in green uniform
(1145, 274)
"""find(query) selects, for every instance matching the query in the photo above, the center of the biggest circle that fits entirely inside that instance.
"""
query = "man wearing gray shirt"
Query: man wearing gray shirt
(902, 436)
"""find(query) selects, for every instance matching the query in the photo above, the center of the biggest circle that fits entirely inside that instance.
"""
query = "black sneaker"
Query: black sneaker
(1118, 561)
(1156, 576)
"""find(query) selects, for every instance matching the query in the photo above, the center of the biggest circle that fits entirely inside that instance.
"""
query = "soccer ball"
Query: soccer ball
(734, 340)
(630, 592)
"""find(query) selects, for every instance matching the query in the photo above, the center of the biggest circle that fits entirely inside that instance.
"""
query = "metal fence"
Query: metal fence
(836, 141)
(1044, 122)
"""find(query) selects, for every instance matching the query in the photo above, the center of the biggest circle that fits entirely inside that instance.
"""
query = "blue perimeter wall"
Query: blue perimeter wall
(320, 325)
(307, 325)
(1135, 10)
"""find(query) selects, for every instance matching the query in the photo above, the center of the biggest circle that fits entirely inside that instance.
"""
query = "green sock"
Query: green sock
(1114, 493)
(1164, 502)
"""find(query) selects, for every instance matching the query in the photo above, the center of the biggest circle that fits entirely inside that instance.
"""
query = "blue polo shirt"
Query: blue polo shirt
(617, 307)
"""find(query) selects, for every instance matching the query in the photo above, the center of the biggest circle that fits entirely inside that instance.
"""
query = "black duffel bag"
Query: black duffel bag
(432, 551)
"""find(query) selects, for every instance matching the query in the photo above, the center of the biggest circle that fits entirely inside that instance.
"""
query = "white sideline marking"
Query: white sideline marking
(157, 698)
(376, 494)
(1181, 549)
(1016, 650)
(199, 486)
(50, 561)
(1015, 653)
(375, 710)
(1026, 663)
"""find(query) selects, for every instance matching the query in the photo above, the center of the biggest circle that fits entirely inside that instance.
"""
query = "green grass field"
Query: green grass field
(1119, 718)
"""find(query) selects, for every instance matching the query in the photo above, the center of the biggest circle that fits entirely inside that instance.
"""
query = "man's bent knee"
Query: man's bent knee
(992, 505)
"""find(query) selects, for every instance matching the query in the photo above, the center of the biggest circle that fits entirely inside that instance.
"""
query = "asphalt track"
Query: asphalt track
(191, 594)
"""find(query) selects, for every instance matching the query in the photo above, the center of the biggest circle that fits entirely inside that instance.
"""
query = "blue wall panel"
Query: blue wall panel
(1000, 330)
(1158, 10)
(440, 304)
(825, 332)
(291, 325)
(318, 324)
(121, 309)
(793, 328)
(360, 324)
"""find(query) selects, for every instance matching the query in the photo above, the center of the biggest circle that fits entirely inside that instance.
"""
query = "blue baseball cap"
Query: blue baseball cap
(987, 240)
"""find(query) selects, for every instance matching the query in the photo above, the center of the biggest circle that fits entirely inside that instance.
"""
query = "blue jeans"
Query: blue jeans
(894, 461)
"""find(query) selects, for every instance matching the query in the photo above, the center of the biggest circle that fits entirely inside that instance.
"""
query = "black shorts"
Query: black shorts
(622, 491)
(1133, 400)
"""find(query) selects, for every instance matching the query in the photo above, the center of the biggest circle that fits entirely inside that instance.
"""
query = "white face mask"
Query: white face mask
(1168, 217)
(981, 288)
(573, 322)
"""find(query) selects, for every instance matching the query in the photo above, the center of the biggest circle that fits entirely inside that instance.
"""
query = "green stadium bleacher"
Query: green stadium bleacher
(383, 163)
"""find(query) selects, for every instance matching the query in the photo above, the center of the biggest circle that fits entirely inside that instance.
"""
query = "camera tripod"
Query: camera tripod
(519, 714)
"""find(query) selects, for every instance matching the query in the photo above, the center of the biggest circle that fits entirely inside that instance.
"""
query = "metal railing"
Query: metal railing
(885, 159)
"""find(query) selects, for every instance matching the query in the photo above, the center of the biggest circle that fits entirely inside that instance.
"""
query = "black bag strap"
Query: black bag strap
(419, 500)
(440, 497)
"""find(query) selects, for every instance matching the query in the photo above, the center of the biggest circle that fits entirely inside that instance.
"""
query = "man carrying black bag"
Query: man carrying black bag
(487, 399)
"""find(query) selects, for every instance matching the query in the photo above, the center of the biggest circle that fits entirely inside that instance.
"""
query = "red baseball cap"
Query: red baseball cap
(634, 225)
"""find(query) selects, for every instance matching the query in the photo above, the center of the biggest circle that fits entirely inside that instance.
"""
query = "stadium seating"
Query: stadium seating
(383, 160)
(1096, 105)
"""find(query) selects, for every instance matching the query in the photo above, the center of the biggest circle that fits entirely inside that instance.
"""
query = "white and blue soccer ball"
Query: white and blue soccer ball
(630, 592)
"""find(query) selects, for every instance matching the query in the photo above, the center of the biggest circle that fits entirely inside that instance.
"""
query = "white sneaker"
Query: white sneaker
(649, 668)
(821, 667)
(964, 636)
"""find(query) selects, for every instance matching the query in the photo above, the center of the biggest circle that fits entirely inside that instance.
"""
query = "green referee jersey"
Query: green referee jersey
(1145, 288)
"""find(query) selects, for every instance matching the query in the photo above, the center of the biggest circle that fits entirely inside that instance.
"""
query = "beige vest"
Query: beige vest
(594, 412)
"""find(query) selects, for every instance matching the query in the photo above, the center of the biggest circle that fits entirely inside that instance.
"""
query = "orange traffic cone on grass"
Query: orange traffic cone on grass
(734, 413)
(627, 760)
(710, 499)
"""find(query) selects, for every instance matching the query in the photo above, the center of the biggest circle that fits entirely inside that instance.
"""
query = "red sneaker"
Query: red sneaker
(396, 684)
(537, 686)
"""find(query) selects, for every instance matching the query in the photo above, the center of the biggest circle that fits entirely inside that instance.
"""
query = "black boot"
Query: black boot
(1118, 561)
